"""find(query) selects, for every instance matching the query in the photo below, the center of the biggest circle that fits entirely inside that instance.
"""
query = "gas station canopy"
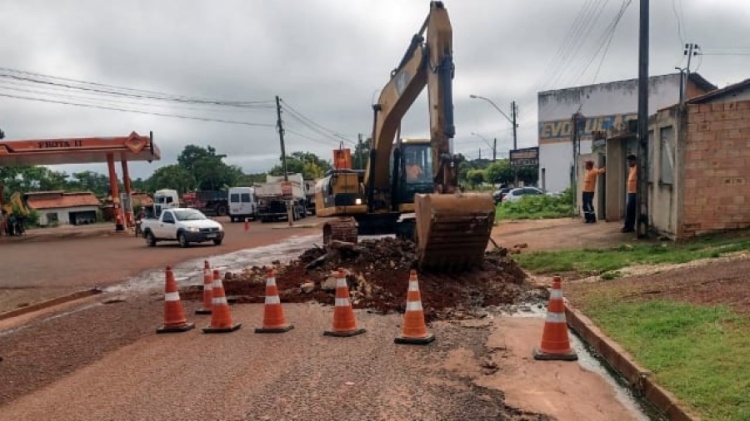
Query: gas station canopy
(78, 150)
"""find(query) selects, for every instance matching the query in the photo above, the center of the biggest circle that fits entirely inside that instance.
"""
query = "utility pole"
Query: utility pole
(514, 114)
(480, 153)
(642, 187)
(280, 125)
(494, 149)
(690, 51)
(359, 153)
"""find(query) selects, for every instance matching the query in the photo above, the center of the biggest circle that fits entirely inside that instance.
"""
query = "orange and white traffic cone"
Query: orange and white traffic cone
(174, 314)
(344, 323)
(555, 342)
(414, 330)
(208, 280)
(221, 319)
(247, 225)
(273, 315)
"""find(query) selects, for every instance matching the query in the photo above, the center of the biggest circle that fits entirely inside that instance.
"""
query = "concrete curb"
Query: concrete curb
(49, 303)
(54, 236)
(296, 226)
(640, 380)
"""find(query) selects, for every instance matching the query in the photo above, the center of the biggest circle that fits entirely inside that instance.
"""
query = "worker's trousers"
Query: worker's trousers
(588, 207)
(630, 214)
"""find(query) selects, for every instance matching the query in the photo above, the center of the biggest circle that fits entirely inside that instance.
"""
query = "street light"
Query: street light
(512, 121)
(492, 146)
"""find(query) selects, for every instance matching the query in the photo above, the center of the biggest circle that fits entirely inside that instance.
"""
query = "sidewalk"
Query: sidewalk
(64, 232)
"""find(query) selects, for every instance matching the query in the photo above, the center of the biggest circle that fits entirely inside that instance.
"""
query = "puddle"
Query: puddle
(191, 272)
(591, 363)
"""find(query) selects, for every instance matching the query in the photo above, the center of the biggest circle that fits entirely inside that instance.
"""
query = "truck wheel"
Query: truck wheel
(182, 240)
(221, 211)
(150, 239)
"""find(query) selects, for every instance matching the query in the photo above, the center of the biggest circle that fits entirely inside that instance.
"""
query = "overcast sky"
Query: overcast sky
(328, 59)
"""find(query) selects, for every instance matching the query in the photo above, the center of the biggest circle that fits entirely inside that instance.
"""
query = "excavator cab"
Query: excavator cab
(411, 172)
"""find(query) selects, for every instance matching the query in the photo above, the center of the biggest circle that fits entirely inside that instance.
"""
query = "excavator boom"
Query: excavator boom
(451, 228)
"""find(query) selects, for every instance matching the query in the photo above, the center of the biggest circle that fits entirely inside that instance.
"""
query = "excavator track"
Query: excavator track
(453, 230)
(341, 229)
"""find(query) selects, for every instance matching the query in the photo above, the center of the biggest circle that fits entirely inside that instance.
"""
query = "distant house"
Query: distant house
(59, 207)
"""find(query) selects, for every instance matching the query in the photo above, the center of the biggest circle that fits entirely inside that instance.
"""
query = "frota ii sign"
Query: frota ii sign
(58, 144)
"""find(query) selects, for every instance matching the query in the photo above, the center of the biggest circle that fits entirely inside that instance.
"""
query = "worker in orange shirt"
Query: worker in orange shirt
(589, 186)
(630, 204)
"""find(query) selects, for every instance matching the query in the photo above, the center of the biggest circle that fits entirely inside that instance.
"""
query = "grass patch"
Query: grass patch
(592, 261)
(701, 354)
(536, 207)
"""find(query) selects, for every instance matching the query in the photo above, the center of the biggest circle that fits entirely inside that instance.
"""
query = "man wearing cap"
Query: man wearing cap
(630, 204)
(589, 186)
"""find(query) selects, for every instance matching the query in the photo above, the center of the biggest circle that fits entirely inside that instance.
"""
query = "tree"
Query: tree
(500, 172)
(172, 177)
(307, 163)
(90, 181)
(475, 177)
(529, 175)
(208, 168)
(361, 155)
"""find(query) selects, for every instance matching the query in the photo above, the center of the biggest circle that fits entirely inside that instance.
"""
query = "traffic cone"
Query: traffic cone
(208, 280)
(555, 342)
(174, 314)
(273, 315)
(247, 225)
(414, 330)
(344, 323)
(221, 319)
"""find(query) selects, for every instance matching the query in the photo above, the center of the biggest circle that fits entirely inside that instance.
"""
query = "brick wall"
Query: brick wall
(716, 168)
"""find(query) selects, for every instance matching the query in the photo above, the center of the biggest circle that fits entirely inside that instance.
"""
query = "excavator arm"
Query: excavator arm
(428, 61)
(451, 228)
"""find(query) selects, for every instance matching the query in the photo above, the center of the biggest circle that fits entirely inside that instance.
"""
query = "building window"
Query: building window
(52, 218)
(666, 167)
(651, 163)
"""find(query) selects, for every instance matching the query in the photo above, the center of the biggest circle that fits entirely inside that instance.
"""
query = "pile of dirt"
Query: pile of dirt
(377, 272)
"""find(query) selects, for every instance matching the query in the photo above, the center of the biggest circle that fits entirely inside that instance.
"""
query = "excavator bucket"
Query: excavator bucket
(453, 230)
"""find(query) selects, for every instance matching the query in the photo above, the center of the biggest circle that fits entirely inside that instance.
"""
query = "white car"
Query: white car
(184, 225)
(519, 192)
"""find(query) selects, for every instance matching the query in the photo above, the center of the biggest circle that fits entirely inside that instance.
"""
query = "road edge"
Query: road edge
(50, 303)
(640, 380)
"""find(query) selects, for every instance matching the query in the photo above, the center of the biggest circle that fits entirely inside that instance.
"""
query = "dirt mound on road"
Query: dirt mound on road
(377, 272)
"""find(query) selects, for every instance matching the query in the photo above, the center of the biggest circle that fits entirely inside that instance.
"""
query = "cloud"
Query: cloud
(328, 59)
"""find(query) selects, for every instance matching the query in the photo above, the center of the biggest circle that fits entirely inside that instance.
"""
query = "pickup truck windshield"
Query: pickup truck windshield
(188, 215)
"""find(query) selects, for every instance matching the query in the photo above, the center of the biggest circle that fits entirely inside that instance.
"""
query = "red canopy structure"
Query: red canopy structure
(87, 150)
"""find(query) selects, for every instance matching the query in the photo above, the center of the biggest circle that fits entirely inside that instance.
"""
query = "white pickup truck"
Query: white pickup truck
(184, 225)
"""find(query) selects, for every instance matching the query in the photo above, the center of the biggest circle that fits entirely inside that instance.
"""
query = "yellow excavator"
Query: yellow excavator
(410, 186)
(11, 217)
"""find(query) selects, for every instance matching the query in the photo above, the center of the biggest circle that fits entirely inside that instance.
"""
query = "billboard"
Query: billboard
(526, 157)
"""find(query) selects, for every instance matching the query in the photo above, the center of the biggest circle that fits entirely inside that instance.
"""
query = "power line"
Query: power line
(321, 141)
(26, 76)
(301, 117)
(216, 120)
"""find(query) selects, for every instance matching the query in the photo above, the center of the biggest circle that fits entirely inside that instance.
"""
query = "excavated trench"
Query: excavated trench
(377, 273)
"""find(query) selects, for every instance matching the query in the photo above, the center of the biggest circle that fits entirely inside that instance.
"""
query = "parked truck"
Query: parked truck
(274, 194)
(210, 202)
(310, 193)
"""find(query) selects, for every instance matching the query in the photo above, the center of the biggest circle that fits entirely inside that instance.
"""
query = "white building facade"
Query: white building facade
(602, 106)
